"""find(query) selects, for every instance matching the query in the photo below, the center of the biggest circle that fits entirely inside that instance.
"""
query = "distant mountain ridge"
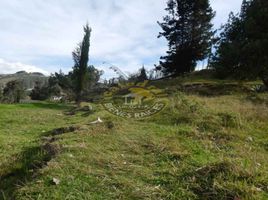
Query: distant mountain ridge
(28, 79)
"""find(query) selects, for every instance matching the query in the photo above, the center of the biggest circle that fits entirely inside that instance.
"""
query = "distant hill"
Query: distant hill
(28, 79)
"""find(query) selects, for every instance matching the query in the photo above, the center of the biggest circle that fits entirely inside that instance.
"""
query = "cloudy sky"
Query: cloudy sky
(38, 35)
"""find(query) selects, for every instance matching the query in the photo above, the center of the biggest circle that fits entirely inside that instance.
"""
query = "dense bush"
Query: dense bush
(13, 92)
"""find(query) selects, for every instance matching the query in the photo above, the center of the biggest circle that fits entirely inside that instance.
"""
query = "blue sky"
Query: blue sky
(38, 35)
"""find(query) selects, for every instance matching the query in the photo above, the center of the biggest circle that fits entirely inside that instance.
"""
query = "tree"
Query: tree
(241, 52)
(256, 29)
(39, 92)
(80, 57)
(228, 56)
(139, 76)
(60, 82)
(188, 30)
(1, 94)
(60, 79)
(56, 83)
(143, 75)
(13, 92)
(93, 77)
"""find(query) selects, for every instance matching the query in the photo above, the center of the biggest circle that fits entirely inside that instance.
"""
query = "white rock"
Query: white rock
(97, 121)
(56, 181)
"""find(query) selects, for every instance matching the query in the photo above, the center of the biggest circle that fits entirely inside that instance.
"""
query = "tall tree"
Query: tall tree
(242, 49)
(228, 56)
(256, 29)
(188, 30)
(80, 57)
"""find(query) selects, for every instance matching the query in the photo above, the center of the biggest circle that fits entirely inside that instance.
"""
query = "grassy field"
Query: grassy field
(199, 147)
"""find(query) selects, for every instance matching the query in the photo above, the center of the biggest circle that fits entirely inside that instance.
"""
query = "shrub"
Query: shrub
(13, 92)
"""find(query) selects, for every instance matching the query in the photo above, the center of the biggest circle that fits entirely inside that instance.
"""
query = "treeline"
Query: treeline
(80, 84)
(238, 50)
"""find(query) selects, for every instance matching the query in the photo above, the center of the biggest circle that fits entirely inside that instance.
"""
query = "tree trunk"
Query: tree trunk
(265, 82)
(78, 100)
(264, 78)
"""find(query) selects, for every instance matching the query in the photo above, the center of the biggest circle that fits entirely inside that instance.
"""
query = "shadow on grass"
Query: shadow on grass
(212, 89)
(23, 170)
(45, 105)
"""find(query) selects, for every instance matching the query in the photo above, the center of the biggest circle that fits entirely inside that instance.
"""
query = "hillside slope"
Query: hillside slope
(199, 147)
(28, 79)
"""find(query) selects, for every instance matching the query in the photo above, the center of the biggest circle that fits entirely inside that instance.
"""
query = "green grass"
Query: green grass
(197, 148)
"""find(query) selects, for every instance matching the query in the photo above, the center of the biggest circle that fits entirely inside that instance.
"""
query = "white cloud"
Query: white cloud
(44, 33)
(9, 67)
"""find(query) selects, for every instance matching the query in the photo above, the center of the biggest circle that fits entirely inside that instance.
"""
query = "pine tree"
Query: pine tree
(188, 30)
(142, 75)
(227, 60)
(242, 49)
(244, 7)
(80, 57)
(256, 29)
